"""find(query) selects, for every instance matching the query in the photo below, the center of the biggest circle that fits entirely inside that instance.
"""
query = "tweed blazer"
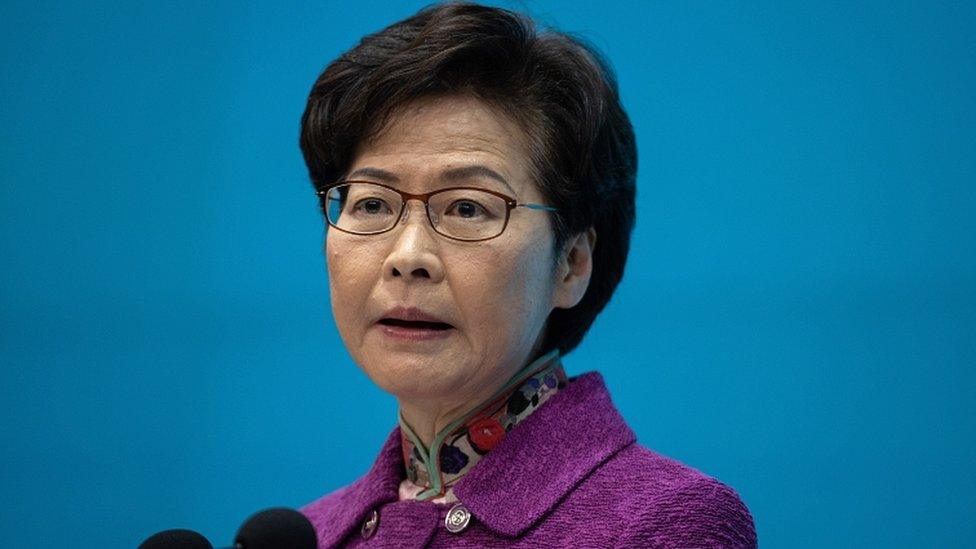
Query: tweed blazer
(570, 475)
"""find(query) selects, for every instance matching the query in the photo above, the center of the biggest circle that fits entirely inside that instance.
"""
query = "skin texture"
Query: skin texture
(496, 293)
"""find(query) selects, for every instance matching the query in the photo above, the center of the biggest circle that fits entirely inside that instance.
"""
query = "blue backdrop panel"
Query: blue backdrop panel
(798, 317)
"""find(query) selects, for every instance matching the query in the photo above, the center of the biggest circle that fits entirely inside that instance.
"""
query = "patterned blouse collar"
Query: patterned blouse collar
(460, 445)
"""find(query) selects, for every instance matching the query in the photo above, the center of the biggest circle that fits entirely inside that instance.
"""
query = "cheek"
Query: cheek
(347, 260)
(349, 277)
(507, 289)
(333, 256)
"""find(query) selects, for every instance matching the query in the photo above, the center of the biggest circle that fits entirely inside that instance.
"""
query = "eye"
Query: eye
(372, 206)
(466, 209)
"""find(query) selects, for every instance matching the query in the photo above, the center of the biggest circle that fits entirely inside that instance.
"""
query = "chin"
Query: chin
(414, 390)
(412, 378)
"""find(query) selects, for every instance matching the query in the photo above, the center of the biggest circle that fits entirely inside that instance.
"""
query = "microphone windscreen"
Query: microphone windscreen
(176, 539)
(277, 528)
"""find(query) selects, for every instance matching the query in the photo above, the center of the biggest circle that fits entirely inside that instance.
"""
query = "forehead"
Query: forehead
(429, 142)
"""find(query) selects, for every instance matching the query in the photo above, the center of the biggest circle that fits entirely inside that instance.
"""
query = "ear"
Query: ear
(574, 269)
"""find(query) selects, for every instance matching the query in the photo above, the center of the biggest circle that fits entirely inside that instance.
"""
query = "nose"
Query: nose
(415, 255)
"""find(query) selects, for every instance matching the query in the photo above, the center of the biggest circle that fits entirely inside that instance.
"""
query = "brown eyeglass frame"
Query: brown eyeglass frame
(510, 204)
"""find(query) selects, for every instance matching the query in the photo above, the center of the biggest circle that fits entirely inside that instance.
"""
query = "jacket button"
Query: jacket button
(457, 519)
(370, 524)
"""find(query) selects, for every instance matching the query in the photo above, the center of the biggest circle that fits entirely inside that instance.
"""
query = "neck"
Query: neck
(455, 437)
(427, 422)
(427, 418)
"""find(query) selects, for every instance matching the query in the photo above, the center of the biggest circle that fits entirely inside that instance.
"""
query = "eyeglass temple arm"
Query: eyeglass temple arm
(538, 207)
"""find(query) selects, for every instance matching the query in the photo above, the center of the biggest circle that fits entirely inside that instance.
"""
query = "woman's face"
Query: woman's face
(495, 294)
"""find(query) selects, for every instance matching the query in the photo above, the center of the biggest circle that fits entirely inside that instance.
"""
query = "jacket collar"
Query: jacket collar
(524, 477)
(515, 484)
(460, 446)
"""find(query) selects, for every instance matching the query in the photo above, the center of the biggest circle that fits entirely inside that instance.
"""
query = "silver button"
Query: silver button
(370, 524)
(457, 519)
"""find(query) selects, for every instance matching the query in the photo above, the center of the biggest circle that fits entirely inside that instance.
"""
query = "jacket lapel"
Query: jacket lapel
(517, 482)
(548, 455)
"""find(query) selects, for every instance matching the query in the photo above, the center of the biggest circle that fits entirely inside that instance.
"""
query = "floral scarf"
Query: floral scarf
(460, 445)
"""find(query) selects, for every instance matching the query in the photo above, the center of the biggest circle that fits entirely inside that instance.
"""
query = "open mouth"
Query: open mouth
(415, 324)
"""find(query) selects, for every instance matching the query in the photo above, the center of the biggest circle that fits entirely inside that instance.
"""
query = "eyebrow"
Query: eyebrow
(377, 173)
(477, 170)
(453, 175)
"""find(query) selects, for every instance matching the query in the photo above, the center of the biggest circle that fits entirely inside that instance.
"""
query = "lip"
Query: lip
(409, 333)
(411, 313)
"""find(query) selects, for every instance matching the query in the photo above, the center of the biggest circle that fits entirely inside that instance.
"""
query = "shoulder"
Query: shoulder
(672, 504)
(324, 503)
(322, 509)
(344, 508)
(335, 514)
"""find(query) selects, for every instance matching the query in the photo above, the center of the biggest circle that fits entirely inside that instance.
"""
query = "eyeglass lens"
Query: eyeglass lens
(465, 214)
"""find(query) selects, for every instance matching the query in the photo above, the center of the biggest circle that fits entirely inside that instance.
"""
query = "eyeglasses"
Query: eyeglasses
(469, 214)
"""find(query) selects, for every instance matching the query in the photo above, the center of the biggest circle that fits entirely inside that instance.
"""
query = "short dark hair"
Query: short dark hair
(558, 89)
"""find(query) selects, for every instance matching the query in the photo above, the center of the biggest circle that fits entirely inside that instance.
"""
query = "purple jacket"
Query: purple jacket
(570, 475)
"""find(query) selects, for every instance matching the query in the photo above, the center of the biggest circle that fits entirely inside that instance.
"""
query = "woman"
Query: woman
(478, 182)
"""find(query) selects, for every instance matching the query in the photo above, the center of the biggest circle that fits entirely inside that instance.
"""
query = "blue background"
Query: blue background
(798, 317)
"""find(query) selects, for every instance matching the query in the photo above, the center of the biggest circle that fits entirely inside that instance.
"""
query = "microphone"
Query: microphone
(275, 528)
(176, 539)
